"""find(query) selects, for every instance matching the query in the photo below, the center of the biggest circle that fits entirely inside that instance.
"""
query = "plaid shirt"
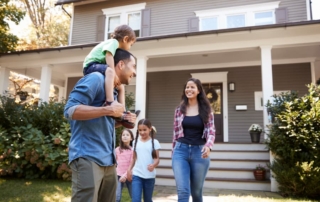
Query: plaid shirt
(209, 131)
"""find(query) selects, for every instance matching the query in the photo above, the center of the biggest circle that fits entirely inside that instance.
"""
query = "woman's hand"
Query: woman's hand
(205, 152)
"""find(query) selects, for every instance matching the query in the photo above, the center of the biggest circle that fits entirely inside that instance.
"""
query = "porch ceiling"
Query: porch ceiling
(217, 50)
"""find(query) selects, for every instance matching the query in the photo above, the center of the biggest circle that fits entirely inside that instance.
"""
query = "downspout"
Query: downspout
(65, 11)
(310, 4)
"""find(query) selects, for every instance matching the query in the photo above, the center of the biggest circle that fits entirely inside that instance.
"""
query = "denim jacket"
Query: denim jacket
(91, 139)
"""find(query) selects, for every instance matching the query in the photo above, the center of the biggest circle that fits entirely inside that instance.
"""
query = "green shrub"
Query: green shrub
(33, 140)
(294, 138)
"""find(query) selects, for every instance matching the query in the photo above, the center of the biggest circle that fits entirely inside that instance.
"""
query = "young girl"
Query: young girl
(124, 154)
(145, 160)
(100, 59)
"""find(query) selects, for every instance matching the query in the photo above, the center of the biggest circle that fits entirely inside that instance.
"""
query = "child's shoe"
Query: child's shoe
(126, 123)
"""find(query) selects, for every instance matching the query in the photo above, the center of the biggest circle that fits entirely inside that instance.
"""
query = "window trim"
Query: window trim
(123, 12)
(247, 10)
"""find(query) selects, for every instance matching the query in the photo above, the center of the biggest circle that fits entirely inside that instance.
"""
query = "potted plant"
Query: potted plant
(23, 95)
(259, 173)
(255, 131)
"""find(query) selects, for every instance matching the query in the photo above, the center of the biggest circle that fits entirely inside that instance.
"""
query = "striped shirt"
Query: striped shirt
(209, 132)
(123, 159)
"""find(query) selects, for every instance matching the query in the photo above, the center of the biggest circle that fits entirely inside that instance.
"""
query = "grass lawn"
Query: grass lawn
(22, 190)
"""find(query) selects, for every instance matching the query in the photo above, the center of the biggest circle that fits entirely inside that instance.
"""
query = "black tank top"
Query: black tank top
(192, 130)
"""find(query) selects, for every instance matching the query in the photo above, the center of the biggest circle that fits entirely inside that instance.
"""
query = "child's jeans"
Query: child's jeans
(140, 184)
(95, 67)
(190, 171)
(120, 187)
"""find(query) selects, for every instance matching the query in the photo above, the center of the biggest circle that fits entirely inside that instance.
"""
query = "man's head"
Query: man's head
(125, 65)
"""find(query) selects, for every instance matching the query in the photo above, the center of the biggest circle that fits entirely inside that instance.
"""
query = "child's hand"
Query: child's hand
(123, 179)
(151, 167)
(129, 175)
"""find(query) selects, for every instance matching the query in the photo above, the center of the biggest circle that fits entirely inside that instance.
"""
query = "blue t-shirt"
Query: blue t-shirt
(91, 139)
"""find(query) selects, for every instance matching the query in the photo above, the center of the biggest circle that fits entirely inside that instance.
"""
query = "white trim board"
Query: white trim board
(230, 64)
(218, 77)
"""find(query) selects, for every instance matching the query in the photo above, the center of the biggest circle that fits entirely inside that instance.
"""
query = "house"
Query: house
(245, 50)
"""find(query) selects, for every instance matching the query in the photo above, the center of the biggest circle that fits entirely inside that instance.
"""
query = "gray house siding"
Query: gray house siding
(167, 16)
(165, 89)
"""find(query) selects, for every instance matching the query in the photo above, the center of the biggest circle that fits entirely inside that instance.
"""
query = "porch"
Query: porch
(231, 167)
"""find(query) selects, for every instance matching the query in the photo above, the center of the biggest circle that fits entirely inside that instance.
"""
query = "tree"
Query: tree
(8, 12)
(49, 25)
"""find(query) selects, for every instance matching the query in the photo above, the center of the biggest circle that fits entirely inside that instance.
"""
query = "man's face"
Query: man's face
(128, 70)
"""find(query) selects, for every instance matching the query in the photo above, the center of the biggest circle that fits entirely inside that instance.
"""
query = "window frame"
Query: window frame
(123, 12)
(248, 11)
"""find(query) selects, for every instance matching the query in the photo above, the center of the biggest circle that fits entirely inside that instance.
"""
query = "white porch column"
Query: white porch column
(45, 83)
(61, 93)
(141, 86)
(267, 80)
(315, 71)
(4, 79)
(267, 92)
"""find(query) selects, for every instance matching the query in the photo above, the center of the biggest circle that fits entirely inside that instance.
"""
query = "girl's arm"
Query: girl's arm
(155, 163)
(129, 171)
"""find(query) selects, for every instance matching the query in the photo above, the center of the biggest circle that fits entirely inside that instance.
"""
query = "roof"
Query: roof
(199, 33)
(60, 2)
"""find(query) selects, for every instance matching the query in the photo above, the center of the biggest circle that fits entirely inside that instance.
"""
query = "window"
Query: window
(263, 18)
(130, 15)
(239, 16)
(236, 21)
(209, 23)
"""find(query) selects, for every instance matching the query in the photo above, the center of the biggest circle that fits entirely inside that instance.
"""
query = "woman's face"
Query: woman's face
(191, 90)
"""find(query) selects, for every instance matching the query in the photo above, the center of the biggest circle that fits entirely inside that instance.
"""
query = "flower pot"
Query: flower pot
(23, 97)
(255, 137)
(259, 174)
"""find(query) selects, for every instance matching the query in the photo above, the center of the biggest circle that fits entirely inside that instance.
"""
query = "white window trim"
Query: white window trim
(247, 10)
(121, 11)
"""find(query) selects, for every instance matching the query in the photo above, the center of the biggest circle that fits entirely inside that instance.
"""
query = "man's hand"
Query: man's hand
(117, 109)
(131, 117)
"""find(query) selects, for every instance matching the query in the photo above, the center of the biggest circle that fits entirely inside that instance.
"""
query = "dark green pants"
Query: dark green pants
(93, 183)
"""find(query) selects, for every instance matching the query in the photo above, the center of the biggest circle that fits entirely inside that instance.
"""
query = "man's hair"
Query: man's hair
(122, 55)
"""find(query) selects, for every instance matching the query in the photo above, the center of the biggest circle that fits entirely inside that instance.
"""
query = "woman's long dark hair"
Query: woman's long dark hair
(122, 145)
(147, 123)
(203, 102)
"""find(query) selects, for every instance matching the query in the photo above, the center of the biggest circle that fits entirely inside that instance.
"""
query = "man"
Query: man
(91, 147)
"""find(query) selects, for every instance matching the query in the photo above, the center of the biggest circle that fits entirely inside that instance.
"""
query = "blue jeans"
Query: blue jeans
(139, 184)
(189, 170)
(120, 187)
(95, 67)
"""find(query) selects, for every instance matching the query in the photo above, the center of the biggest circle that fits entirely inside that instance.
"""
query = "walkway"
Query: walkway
(169, 194)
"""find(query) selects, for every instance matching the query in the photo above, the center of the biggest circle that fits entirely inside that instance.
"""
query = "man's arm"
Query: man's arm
(84, 112)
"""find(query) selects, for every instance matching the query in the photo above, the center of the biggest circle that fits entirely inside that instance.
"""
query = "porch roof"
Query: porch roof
(220, 31)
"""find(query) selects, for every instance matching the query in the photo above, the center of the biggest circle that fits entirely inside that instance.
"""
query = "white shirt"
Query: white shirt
(144, 158)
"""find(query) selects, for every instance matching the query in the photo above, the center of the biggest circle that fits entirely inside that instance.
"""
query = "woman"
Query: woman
(193, 137)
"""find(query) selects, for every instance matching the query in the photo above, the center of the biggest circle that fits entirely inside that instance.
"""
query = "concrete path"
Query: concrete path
(169, 194)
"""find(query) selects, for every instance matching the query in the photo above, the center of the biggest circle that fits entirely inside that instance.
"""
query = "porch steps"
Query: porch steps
(231, 166)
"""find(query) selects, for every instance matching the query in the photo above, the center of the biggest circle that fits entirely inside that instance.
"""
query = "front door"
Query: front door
(214, 94)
